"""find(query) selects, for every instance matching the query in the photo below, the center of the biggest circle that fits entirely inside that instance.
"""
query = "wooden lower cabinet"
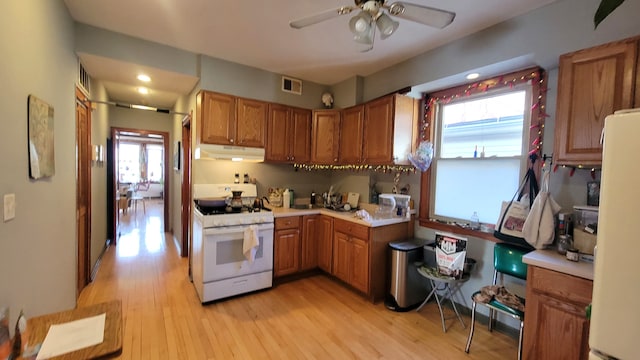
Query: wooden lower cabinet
(361, 255)
(555, 324)
(309, 245)
(351, 254)
(324, 237)
(286, 246)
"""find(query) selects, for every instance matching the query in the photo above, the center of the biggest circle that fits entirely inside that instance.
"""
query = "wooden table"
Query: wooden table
(112, 344)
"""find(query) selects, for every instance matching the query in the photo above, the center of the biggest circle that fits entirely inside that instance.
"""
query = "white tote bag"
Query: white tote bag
(539, 227)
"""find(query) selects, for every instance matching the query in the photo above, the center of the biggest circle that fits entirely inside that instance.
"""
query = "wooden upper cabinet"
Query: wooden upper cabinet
(592, 84)
(216, 116)
(229, 120)
(351, 135)
(325, 137)
(390, 125)
(300, 135)
(251, 122)
(288, 134)
(277, 127)
(378, 131)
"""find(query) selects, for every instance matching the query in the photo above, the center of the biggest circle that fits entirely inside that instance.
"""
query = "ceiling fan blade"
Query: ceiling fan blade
(325, 15)
(421, 14)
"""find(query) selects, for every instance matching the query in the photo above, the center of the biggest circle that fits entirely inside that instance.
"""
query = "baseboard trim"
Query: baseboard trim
(94, 272)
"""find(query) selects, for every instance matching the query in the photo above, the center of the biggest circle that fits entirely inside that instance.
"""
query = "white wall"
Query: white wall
(38, 247)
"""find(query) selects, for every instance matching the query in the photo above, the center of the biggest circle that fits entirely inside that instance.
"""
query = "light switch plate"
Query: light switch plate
(9, 206)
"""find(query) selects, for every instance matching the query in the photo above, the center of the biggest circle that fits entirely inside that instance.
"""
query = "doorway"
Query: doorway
(83, 189)
(140, 173)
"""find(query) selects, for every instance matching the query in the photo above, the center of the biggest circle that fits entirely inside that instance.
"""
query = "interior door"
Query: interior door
(83, 189)
(186, 188)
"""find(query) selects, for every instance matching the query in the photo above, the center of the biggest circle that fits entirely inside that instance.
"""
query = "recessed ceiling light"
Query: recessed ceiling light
(143, 90)
(473, 76)
(143, 77)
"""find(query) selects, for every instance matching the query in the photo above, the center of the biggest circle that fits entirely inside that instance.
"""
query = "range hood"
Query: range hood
(228, 152)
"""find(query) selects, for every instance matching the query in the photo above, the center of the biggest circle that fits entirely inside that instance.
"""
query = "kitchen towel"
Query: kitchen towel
(250, 243)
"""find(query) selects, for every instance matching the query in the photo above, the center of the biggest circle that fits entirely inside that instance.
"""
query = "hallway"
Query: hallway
(313, 318)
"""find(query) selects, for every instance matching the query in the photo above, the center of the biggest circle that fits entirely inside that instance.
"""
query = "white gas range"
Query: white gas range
(219, 267)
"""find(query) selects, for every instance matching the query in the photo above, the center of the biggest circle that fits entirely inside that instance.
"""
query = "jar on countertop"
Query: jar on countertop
(565, 242)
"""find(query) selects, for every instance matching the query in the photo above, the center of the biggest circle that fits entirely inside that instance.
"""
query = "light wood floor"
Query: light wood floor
(312, 318)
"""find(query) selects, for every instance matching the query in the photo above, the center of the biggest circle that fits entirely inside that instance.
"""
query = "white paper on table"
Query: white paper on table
(72, 336)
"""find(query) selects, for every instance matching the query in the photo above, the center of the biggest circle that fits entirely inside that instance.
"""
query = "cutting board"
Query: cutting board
(352, 199)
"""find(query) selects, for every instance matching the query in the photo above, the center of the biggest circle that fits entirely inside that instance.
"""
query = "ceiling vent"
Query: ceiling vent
(84, 81)
(291, 85)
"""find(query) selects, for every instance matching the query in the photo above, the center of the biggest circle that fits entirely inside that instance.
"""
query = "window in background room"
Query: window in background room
(480, 151)
(154, 162)
(129, 162)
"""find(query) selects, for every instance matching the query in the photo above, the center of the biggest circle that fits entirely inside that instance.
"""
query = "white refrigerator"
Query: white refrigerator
(615, 317)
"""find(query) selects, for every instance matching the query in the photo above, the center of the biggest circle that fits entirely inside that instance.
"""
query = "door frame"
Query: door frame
(83, 193)
(186, 187)
(166, 169)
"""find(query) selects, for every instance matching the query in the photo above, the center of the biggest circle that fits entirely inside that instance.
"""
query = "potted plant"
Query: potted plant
(606, 7)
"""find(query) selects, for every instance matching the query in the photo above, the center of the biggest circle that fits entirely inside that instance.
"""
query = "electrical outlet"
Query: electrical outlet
(9, 206)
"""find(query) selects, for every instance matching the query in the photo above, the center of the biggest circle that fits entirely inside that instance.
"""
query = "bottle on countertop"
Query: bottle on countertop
(475, 221)
(286, 199)
(246, 178)
(236, 180)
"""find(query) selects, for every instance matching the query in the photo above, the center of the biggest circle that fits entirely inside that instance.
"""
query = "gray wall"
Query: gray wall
(37, 248)
(100, 131)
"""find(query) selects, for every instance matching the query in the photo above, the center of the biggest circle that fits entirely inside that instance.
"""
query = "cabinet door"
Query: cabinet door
(561, 329)
(341, 256)
(555, 325)
(299, 137)
(592, 84)
(251, 122)
(326, 137)
(378, 131)
(351, 135)
(217, 118)
(359, 276)
(310, 236)
(325, 243)
(277, 149)
(286, 251)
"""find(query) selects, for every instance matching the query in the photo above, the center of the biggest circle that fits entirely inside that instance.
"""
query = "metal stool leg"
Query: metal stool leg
(454, 305)
(444, 328)
(473, 323)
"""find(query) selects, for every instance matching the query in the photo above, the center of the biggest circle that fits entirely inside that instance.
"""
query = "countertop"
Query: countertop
(349, 216)
(552, 260)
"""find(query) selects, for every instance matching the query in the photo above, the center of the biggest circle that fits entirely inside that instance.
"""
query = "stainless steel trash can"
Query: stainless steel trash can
(407, 287)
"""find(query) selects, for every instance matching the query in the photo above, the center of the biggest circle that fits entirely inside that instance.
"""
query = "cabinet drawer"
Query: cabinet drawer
(352, 229)
(560, 285)
(289, 222)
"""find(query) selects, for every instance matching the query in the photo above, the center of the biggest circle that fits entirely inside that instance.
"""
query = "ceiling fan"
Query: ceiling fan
(375, 13)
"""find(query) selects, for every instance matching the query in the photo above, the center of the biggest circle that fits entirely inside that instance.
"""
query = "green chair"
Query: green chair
(507, 259)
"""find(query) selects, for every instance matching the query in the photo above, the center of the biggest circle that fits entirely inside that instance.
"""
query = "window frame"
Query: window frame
(537, 115)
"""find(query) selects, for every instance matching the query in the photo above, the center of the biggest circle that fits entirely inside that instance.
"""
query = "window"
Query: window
(140, 161)
(481, 145)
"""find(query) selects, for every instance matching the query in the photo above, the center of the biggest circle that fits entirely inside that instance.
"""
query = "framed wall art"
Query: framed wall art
(40, 132)
(176, 156)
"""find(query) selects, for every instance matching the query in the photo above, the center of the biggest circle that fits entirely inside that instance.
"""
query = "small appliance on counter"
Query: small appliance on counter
(393, 205)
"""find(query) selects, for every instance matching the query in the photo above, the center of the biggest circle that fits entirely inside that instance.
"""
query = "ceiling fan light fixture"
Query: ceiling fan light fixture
(361, 23)
(362, 28)
(386, 25)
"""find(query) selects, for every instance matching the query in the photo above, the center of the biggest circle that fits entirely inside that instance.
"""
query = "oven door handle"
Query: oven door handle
(235, 229)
